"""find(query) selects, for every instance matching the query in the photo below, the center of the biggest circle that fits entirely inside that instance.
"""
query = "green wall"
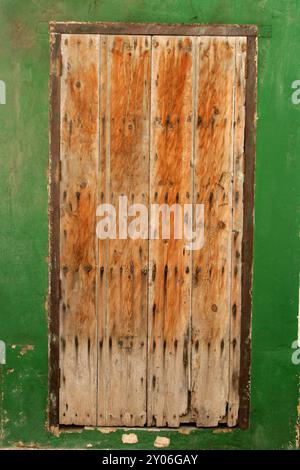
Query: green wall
(24, 66)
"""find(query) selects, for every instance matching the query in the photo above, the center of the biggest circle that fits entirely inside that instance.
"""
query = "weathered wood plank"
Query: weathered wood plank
(103, 197)
(237, 230)
(79, 154)
(125, 110)
(157, 29)
(54, 223)
(212, 264)
(178, 384)
(247, 243)
(170, 262)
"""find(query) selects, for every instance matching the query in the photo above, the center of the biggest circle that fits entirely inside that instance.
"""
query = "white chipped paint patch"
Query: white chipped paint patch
(2, 92)
(26, 348)
(129, 438)
(161, 441)
(185, 430)
(106, 430)
(2, 352)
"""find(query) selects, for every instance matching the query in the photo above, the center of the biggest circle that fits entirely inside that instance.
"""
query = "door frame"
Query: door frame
(56, 29)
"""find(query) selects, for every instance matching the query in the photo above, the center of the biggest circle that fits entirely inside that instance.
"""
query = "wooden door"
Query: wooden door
(150, 331)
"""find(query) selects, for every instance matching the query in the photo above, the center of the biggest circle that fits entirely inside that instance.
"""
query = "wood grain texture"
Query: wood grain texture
(79, 154)
(54, 223)
(237, 230)
(156, 29)
(150, 332)
(170, 273)
(248, 221)
(124, 114)
(212, 264)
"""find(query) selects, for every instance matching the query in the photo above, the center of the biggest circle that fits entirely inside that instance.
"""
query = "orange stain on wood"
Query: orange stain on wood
(213, 187)
(170, 338)
(170, 183)
(79, 153)
(125, 115)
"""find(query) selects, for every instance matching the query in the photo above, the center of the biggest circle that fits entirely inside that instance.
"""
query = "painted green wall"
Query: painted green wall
(24, 66)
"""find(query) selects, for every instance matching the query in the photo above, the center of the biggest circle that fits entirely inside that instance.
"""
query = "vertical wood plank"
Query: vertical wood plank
(54, 223)
(103, 197)
(124, 109)
(237, 231)
(212, 264)
(79, 154)
(247, 243)
(170, 262)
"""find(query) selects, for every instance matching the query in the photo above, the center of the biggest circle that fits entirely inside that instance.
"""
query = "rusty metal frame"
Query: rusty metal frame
(58, 28)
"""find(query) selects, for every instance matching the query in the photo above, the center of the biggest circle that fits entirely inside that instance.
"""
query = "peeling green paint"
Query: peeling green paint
(24, 67)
